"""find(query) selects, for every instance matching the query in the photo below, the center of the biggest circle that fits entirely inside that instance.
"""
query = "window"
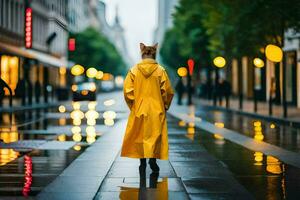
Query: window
(9, 71)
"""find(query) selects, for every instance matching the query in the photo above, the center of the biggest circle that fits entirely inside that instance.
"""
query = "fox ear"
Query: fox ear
(142, 46)
(155, 46)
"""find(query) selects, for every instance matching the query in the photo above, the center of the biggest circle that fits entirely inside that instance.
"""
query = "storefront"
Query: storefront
(33, 76)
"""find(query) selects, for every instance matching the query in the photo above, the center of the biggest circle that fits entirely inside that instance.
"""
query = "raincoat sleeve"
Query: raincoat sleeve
(166, 89)
(129, 89)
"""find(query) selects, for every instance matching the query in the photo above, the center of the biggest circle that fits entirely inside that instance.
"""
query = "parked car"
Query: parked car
(84, 91)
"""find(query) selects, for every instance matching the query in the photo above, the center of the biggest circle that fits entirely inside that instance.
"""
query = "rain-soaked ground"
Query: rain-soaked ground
(265, 177)
(37, 145)
(276, 133)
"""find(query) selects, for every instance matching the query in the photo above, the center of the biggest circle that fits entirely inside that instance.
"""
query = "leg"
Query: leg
(153, 165)
(142, 170)
(143, 162)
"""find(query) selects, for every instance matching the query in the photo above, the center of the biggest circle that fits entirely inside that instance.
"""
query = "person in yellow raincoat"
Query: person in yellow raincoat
(148, 94)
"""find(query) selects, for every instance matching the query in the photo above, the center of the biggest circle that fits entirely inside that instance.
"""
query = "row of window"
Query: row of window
(12, 15)
(58, 6)
(12, 20)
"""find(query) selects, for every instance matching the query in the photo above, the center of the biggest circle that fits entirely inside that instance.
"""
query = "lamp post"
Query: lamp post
(191, 64)
(219, 62)
(275, 54)
(258, 63)
(182, 72)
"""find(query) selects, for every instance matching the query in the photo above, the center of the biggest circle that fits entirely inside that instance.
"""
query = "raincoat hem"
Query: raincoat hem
(140, 157)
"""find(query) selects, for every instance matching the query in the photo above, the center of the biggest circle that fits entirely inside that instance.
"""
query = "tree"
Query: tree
(170, 50)
(94, 50)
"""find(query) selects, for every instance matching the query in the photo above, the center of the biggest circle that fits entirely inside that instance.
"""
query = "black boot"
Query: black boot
(143, 165)
(153, 179)
(153, 165)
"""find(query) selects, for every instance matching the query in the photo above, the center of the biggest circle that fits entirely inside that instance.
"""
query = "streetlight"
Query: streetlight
(258, 63)
(77, 70)
(275, 54)
(182, 71)
(91, 72)
(99, 75)
(219, 62)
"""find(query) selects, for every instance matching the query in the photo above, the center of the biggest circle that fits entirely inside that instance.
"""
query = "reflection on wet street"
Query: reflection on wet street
(75, 146)
(278, 134)
(264, 176)
(155, 189)
(37, 145)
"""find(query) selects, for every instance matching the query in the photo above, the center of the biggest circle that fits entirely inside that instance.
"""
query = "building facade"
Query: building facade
(164, 19)
(92, 13)
(36, 72)
(267, 81)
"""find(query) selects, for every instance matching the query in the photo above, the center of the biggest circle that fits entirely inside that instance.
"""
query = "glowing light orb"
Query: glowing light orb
(90, 140)
(77, 147)
(109, 102)
(182, 71)
(273, 53)
(92, 105)
(61, 138)
(77, 70)
(219, 124)
(77, 137)
(109, 122)
(91, 72)
(62, 109)
(219, 61)
(76, 129)
(109, 115)
(99, 75)
(76, 105)
(258, 62)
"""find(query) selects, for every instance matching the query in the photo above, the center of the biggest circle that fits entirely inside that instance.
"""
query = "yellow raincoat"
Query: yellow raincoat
(148, 94)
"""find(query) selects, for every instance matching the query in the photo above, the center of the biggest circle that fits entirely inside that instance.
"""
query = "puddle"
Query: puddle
(27, 175)
(264, 176)
(156, 189)
(65, 132)
(278, 134)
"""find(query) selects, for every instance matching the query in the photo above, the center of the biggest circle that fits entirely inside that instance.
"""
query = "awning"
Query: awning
(6, 48)
(47, 59)
(34, 54)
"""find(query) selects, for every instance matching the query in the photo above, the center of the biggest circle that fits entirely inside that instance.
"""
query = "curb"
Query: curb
(292, 123)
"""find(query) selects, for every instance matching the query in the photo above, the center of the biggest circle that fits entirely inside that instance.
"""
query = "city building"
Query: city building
(292, 52)
(92, 13)
(78, 15)
(33, 48)
(165, 19)
(268, 80)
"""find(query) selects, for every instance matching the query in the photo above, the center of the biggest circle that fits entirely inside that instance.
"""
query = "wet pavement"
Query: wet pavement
(62, 154)
(36, 146)
(276, 133)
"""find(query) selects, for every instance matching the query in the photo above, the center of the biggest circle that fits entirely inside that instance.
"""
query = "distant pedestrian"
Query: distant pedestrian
(180, 89)
(148, 94)
(226, 89)
(3, 85)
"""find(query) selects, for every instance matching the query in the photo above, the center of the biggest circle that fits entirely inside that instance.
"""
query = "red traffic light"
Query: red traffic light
(72, 44)
(191, 64)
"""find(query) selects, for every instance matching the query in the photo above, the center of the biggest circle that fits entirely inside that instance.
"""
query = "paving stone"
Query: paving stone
(65, 196)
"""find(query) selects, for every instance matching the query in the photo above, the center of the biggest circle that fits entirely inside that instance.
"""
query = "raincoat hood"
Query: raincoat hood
(147, 66)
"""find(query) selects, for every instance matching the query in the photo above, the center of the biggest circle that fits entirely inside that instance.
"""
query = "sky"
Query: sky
(138, 18)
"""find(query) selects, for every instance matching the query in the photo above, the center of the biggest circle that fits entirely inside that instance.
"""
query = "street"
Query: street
(149, 100)
(51, 158)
